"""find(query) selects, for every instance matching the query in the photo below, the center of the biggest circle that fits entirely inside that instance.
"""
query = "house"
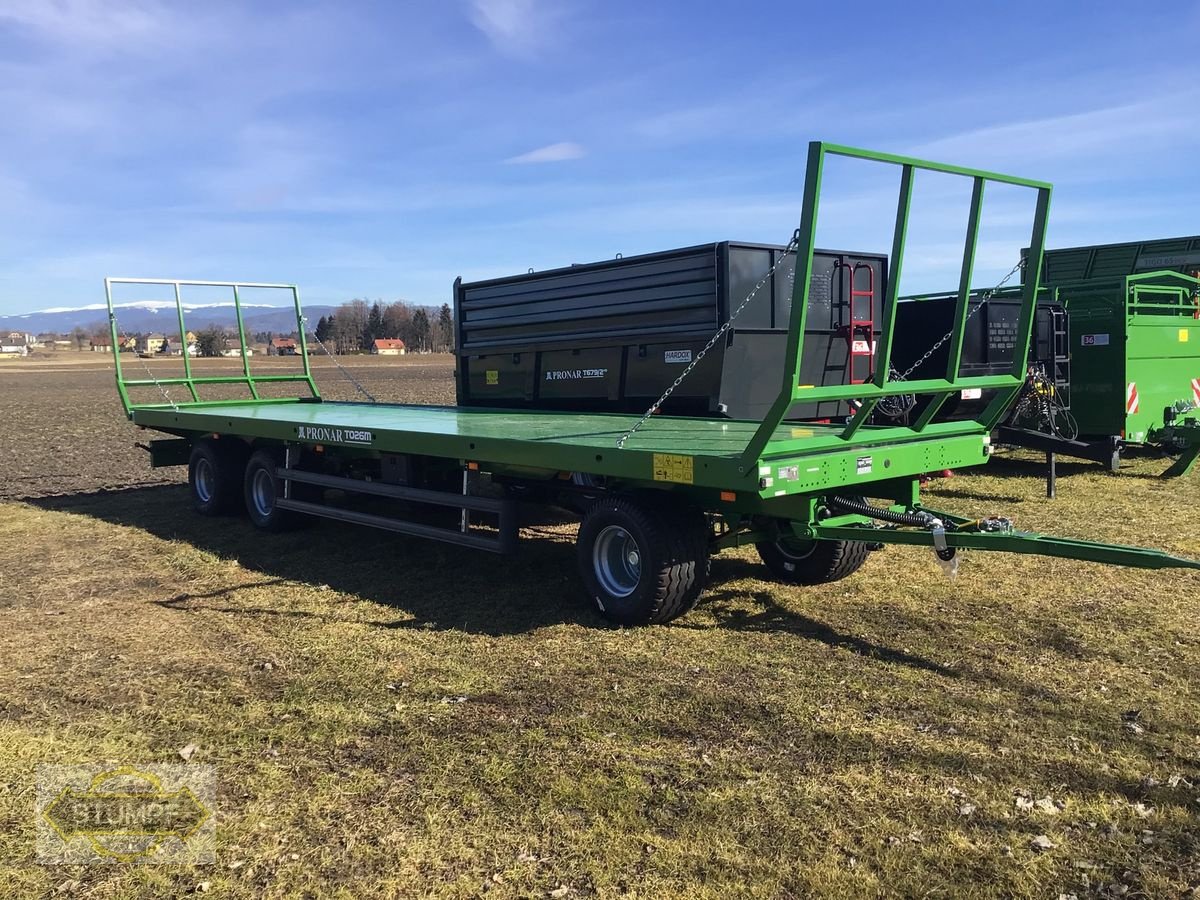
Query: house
(101, 343)
(153, 343)
(15, 343)
(237, 351)
(129, 343)
(388, 347)
(282, 347)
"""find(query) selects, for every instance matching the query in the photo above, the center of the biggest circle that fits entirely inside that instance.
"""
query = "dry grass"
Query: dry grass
(390, 717)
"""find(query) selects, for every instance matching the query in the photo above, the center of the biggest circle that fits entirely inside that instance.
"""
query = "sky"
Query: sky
(381, 149)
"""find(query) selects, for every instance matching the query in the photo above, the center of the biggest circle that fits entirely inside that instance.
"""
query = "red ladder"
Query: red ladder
(860, 333)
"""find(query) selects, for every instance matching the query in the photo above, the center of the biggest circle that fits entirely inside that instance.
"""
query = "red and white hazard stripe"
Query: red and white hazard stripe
(1196, 390)
(1131, 398)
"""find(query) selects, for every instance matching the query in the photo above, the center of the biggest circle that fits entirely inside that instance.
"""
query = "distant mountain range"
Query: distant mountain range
(159, 316)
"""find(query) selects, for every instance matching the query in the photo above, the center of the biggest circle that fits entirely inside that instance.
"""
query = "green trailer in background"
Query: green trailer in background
(1134, 312)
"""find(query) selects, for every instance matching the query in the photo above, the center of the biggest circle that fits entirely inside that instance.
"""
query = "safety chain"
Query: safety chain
(712, 342)
(161, 389)
(353, 380)
(983, 299)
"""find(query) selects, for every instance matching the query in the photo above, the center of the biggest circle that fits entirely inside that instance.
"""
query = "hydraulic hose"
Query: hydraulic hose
(916, 519)
(863, 508)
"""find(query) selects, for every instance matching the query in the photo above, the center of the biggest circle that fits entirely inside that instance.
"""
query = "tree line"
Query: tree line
(356, 325)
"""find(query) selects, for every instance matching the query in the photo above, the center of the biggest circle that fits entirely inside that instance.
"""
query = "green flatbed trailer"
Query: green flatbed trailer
(658, 494)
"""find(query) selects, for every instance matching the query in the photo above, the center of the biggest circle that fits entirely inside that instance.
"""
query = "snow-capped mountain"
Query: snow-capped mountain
(159, 315)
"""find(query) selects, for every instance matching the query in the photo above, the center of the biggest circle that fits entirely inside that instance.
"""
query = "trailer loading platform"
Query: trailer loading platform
(658, 494)
(583, 442)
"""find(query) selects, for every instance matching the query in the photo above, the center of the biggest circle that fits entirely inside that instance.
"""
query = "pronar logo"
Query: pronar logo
(574, 374)
(325, 434)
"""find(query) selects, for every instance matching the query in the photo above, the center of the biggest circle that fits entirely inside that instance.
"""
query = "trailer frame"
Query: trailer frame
(660, 493)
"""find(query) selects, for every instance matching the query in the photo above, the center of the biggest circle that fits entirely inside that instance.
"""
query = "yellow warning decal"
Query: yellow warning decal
(1183, 335)
(493, 376)
(672, 467)
(802, 432)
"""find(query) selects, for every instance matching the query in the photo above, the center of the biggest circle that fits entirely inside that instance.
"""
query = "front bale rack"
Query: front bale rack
(657, 493)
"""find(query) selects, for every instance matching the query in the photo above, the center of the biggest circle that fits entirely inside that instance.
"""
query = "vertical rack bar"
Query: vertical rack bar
(237, 306)
(312, 385)
(806, 236)
(187, 363)
(116, 347)
(883, 353)
(962, 307)
(899, 236)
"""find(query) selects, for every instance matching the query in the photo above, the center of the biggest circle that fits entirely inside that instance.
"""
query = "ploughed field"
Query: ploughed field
(388, 716)
(64, 430)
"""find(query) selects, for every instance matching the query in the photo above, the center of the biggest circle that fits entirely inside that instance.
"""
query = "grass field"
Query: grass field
(389, 717)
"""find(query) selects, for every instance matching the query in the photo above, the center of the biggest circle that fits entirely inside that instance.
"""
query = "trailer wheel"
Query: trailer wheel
(262, 489)
(641, 566)
(796, 561)
(215, 477)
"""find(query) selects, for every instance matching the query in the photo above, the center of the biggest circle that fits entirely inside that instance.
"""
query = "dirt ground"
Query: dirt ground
(389, 717)
(65, 431)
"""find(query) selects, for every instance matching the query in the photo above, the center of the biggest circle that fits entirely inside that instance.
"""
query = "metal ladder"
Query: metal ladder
(860, 333)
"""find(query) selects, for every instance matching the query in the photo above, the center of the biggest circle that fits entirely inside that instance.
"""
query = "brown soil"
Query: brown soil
(64, 430)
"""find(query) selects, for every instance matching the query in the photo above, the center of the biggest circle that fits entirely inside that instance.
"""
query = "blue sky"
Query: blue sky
(381, 149)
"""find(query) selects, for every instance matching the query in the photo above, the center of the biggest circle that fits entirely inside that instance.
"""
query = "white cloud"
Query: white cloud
(87, 22)
(1072, 138)
(517, 28)
(559, 152)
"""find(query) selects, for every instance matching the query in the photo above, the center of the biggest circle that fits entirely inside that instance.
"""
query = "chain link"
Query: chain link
(712, 342)
(161, 388)
(344, 371)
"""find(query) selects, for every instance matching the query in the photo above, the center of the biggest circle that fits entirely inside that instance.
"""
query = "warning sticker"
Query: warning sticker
(1183, 335)
(863, 465)
(672, 467)
(493, 376)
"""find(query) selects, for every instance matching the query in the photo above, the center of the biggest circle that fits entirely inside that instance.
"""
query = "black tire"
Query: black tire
(215, 476)
(261, 489)
(795, 561)
(639, 565)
